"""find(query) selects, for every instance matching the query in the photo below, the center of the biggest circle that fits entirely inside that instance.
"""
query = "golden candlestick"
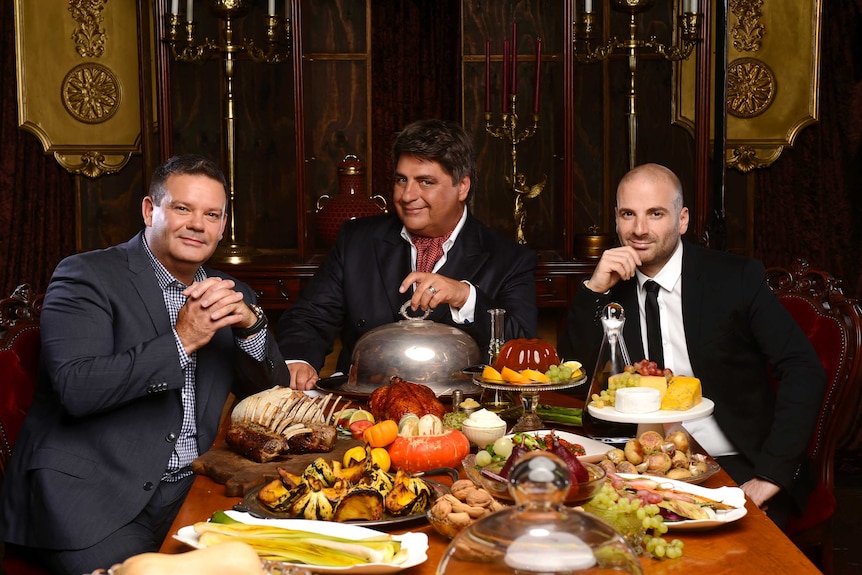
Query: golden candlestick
(276, 50)
(508, 131)
(586, 51)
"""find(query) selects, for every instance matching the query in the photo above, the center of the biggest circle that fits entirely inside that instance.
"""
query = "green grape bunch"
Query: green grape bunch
(607, 397)
(564, 371)
(640, 522)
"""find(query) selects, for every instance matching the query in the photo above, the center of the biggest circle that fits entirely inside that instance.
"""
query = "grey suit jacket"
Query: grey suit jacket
(356, 288)
(107, 407)
(739, 336)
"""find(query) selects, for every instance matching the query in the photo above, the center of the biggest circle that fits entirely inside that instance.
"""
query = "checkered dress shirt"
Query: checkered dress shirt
(186, 448)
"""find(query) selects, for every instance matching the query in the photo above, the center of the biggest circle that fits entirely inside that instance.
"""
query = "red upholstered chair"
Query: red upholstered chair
(833, 324)
(19, 362)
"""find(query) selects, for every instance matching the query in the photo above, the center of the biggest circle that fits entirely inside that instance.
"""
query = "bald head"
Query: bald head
(654, 175)
(650, 215)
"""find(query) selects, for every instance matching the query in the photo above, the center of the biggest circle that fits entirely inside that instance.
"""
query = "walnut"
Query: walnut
(441, 508)
(460, 519)
(462, 488)
(479, 498)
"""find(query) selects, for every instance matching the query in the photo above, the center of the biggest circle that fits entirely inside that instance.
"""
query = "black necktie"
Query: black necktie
(653, 323)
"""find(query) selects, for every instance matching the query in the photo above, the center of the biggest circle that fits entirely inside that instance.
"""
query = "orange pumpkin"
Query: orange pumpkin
(523, 353)
(424, 452)
(381, 433)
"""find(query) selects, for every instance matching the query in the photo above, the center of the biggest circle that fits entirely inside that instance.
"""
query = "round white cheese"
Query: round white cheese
(637, 400)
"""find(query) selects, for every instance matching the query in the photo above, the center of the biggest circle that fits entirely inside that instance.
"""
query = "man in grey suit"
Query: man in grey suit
(432, 252)
(718, 322)
(141, 346)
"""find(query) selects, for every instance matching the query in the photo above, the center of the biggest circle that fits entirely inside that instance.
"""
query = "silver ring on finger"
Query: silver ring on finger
(432, 289)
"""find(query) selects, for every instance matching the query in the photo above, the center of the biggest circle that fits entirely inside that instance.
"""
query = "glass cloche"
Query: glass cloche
(539, 535)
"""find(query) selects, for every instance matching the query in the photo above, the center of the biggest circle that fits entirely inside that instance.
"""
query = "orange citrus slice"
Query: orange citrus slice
(491, 374)
(512, 376)
(535, 375)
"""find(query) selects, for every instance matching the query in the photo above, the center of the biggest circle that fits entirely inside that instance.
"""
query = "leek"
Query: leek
(296, 546)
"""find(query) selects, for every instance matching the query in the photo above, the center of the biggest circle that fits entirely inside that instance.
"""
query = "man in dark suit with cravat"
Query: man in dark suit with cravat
(432, 252)
(141, 346)
(718, 321)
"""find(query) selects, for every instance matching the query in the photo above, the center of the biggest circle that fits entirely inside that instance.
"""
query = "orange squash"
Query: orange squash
(424, 452)
(381, 433)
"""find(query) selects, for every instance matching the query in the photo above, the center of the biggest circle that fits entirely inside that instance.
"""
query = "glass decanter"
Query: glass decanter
(612, 359)
(496, 400)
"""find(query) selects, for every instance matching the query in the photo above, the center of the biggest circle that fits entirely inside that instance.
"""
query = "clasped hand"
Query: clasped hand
(210, 306)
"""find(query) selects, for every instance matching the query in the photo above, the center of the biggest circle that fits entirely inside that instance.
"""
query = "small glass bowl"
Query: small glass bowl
(481, 437)
(579, 493)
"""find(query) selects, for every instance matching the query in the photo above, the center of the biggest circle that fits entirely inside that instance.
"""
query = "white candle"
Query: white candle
(588, 6)
(189, 11)
(271, 9)
(175, 6)
(691, 6)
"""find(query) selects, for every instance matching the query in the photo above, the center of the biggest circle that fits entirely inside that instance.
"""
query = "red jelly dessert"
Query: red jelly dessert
(525, 353)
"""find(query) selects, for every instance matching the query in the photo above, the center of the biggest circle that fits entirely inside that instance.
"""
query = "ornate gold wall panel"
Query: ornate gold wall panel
(77, 63)
(773, 76)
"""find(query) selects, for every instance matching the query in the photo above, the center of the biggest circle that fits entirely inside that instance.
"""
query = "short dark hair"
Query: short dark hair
(446, 143)
(187, 164)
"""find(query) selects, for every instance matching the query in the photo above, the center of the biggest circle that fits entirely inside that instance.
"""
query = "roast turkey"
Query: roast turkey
(400, 397)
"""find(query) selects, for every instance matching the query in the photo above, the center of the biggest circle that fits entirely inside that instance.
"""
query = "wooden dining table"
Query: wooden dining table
(752, 544)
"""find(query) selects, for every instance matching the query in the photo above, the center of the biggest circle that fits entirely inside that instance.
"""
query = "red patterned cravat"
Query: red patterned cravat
(428, 251)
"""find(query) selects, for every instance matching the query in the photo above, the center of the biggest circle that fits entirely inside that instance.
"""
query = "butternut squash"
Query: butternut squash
(229, 558)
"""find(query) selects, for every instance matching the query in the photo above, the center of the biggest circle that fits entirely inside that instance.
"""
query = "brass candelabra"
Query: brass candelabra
(276, 50)
(587, 49)
(508, 132)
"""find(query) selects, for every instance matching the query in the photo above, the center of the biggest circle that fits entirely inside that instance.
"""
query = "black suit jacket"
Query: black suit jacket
(738, 335)
(356, 288)
(107, 407)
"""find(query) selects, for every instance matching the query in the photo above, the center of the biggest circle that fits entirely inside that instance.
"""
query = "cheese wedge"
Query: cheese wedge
(682, 393)
(658, 382)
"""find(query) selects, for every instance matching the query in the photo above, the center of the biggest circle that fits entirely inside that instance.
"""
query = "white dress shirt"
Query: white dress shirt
(705, 430)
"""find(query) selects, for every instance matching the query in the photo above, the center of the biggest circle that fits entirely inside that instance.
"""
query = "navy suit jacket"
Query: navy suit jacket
(738, 336)
(107, 407)
(356, 288)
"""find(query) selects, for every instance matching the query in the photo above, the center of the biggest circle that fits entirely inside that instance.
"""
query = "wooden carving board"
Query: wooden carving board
(239, 475)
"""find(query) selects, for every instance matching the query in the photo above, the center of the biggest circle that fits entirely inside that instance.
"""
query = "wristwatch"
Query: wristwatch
(246, 332)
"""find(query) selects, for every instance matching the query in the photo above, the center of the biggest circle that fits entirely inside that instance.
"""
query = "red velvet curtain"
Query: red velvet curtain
(416, 46)
(809, 203)
(37, 197)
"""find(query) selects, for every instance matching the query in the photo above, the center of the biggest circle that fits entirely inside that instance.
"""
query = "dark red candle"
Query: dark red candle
(487, 76)
(538, 76)
(505, 107)
(514, 86)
